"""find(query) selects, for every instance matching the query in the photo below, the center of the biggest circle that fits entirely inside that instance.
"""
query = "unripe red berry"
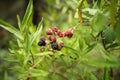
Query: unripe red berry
(42, 38)
(52, 38)
(60, 47)
(54, 29)
(49, 37)
(68, 33)
(60, 33)
(49, 32)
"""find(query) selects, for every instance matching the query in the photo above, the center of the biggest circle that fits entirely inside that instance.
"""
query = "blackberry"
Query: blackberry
(41, 43)
(54, 46)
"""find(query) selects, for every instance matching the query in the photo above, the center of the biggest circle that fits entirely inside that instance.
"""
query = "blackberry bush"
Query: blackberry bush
(81, 52)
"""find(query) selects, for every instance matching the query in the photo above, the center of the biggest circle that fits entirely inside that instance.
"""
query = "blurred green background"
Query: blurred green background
(8, 11)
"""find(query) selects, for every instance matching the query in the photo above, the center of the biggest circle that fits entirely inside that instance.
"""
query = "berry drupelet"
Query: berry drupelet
(68, 33)
(60, 33)
(54, 29)
(54, 46)
(49, 32)
(59, 47)
(41, 43)
(52, 38)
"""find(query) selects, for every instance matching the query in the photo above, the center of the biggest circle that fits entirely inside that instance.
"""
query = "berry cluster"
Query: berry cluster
(53, 34)
(55, 31)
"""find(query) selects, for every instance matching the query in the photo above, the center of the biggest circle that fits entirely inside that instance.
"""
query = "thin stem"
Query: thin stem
(32, 57)
(28, 77)
(38, 62)
(105, 76)
(103, 42)
(74, 28)
(61, 75)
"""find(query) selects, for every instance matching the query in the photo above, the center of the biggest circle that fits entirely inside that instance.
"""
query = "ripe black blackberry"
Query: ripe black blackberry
(54, 46)
(41, 43)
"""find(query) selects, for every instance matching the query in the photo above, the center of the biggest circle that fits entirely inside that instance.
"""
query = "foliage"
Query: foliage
(90, 54)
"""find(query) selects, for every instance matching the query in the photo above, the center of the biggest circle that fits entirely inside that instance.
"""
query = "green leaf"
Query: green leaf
(93, 77)
(88, 38)
(102, 3)
(27, 43)
(95, 4)
(88, 49)
(19, 22)
(90, 11)
(26, 59)
(80, 3)
(27, 15)
(72, 50)
(113, 10)
(117, 29)
(37, 33)
(11, 29)
(6, 76)
(106, 75)
(20, 44)
(38, 73)
(114, 45)
(81, 44)
(101, 63)
(43, 54)
(86, 3)
(106, 55)
(98, 22)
